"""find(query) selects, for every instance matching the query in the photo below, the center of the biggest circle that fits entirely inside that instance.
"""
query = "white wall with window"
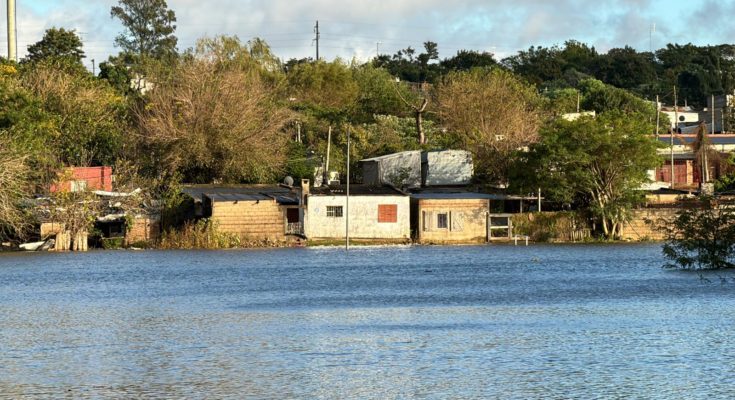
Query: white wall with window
(371, 217)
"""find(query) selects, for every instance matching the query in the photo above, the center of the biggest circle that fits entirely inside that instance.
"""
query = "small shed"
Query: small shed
(250, 211)
(457, 217)
(446, 168)
(399, 169)
(376, 213)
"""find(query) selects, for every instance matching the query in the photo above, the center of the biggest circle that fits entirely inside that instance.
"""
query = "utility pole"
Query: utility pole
(316, 39)
(377, 49)
(326, 166)
(347, 208)
(12, 39)
(658, 114)
(94, 72)
(676, 129)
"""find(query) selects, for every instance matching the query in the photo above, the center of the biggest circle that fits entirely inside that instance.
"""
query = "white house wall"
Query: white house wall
(363, 218)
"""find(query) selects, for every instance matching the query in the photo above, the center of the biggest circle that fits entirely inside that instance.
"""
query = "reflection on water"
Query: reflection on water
(419, 322)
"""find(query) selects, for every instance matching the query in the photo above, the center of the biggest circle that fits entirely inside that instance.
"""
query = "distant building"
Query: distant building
(78, 179)
(577, 115)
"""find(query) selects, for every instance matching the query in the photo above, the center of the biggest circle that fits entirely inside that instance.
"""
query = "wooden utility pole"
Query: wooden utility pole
(347, 203)
(658, 116)
(329, 146)
(676, 128)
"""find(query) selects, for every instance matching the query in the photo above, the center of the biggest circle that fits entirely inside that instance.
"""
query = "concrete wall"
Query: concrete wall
(447, 167)
(263, 219)
(467, 220)
(639, 228)
(363, 218)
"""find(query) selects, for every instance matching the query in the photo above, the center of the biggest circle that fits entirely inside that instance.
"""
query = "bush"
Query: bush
(701, 238)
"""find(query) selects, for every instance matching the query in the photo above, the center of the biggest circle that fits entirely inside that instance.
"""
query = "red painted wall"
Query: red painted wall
(96, 178)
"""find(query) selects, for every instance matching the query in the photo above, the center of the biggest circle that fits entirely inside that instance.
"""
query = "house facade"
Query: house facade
(251, 212)
(375, 214)
(450, 217)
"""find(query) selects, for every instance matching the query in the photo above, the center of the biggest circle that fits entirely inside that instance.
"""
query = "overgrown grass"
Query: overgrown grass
(204, 234)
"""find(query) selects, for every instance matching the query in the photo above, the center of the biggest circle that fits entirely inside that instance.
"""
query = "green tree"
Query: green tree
(149, 29)
(59, 44)
(326, 89)
(467, 59)
(491, 113)
(701, 237)
(596, 163)
(215, 119)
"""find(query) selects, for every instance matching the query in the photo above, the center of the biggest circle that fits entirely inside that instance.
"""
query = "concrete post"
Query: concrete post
(12, 41)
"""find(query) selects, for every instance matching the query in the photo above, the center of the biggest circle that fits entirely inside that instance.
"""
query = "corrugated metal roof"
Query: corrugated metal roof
(217, 197)
(283, 195)
(467, 196)
(713, 139)
(355, 190)
(392, 155)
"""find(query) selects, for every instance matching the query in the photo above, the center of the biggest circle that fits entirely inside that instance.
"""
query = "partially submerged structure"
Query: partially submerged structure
(375, 213)
(456, 217)
(259, 212)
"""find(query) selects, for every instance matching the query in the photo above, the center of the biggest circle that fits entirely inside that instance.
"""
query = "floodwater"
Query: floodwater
(476, 322)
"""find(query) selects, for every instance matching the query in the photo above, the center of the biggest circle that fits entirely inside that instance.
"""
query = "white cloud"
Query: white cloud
(351, 28)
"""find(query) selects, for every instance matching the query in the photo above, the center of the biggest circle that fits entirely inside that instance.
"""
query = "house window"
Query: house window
(387, 213)
(442, 221)
(334, 211)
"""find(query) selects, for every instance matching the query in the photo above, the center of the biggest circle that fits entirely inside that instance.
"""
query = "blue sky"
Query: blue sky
(352, 28)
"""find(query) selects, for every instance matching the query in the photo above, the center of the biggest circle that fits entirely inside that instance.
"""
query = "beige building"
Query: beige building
(375, 214)
(250, 211)
(459, 217)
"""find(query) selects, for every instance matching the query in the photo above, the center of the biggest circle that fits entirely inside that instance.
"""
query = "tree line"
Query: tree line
(229, 111)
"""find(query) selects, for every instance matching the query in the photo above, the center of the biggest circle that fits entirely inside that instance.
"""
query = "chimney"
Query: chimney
(304, 191)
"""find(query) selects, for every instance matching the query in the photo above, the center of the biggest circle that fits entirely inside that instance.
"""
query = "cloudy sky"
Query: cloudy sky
(351, 28)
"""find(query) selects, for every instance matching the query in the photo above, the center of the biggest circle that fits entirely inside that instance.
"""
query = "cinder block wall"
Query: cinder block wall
(263, 219)
(639, 228)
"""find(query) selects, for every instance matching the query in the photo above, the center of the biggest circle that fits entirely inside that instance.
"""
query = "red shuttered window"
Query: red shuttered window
(387, 213)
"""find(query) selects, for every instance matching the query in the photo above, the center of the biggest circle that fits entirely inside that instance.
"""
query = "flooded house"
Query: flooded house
(450, 217)
(376, 213)
(260, 212)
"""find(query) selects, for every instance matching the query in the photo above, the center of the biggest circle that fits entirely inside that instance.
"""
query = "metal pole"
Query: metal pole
(12, 40)
(347, 214)
(316, 31)
(539, 199)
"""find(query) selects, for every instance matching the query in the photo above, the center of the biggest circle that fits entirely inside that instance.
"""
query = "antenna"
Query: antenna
(377, 49)
(12, 32)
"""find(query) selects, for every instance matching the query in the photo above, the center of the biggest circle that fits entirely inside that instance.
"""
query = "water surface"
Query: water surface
(592, 321)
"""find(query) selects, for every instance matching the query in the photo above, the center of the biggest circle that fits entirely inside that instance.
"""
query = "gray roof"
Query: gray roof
(236, 197)
(244, 193)
(467, 196)
(355, 190)
(392, 155)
